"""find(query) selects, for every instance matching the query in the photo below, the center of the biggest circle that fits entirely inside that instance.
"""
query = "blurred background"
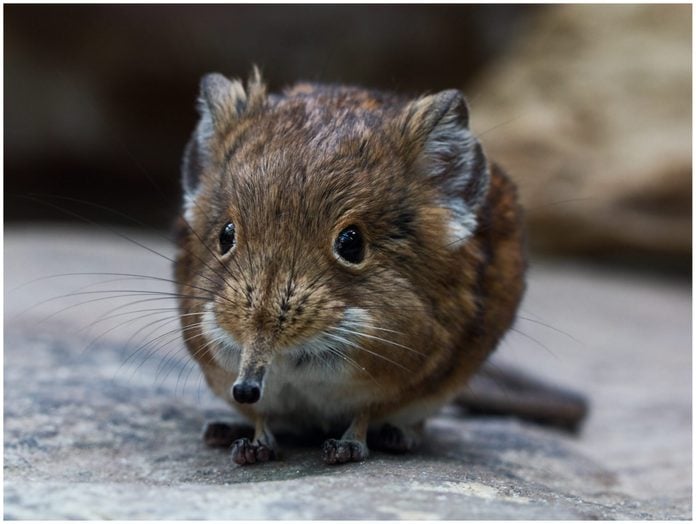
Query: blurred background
(587, 107)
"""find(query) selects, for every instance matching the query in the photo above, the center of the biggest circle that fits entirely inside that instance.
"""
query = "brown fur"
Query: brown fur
(291, 171)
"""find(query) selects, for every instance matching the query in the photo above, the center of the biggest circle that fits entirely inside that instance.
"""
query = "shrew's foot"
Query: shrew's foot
(394, 439)
(246, 452)
(341, 451)
(223, 434)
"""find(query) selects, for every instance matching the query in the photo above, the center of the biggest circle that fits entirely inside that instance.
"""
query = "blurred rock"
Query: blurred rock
(590, 111)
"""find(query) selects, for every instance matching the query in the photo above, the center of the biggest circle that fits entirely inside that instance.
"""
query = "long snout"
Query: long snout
(247, 392)
(248, 387)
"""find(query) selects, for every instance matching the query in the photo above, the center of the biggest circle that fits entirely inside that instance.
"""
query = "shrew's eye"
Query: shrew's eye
(227, 238)
(349, 245)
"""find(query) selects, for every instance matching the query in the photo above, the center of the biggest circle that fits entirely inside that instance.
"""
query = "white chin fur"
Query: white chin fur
(313, 396)
(227, 350)
(313, 393)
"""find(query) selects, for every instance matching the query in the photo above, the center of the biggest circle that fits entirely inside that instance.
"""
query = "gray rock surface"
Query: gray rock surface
(93, 430)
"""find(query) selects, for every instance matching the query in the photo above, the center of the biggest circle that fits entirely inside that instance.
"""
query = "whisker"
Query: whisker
(195, 233)
(116, 293)
(37, 197)
(345, 330)
(196, 325)
(127, 276)
(178, 332)
(551, 328)
(380, 329)
(352, 344)
(148, 313)
(158, 347)
(120, 324)
(336, 351)
(194, 355)
(534, 340)
(191, 366)
(130, 304)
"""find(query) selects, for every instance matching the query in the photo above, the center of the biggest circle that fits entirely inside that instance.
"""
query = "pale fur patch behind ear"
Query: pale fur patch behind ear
(189, 205)
(226, 350)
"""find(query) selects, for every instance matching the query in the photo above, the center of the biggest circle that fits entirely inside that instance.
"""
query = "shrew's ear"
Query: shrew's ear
(221, 104)
(449, 154)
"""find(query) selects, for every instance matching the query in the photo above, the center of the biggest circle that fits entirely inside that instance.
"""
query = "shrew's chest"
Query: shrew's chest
(311, 394)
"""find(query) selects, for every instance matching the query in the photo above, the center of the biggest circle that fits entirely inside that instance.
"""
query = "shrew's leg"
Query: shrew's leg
(223, 434)
(352, 446)
(262, 449)
(397, 439)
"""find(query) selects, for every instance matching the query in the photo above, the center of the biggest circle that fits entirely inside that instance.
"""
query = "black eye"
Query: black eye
(349, 245)
(227, 239)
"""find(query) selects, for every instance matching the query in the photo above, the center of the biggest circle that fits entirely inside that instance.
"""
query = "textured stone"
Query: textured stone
(94, 432)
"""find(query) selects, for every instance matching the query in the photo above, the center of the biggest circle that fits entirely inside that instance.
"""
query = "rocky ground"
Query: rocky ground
(95, 429)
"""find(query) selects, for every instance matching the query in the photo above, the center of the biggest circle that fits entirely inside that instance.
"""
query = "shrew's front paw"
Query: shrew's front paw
(246, 452)
(340, 451)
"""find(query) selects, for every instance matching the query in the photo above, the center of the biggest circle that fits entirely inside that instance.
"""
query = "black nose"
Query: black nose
(246, 392)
